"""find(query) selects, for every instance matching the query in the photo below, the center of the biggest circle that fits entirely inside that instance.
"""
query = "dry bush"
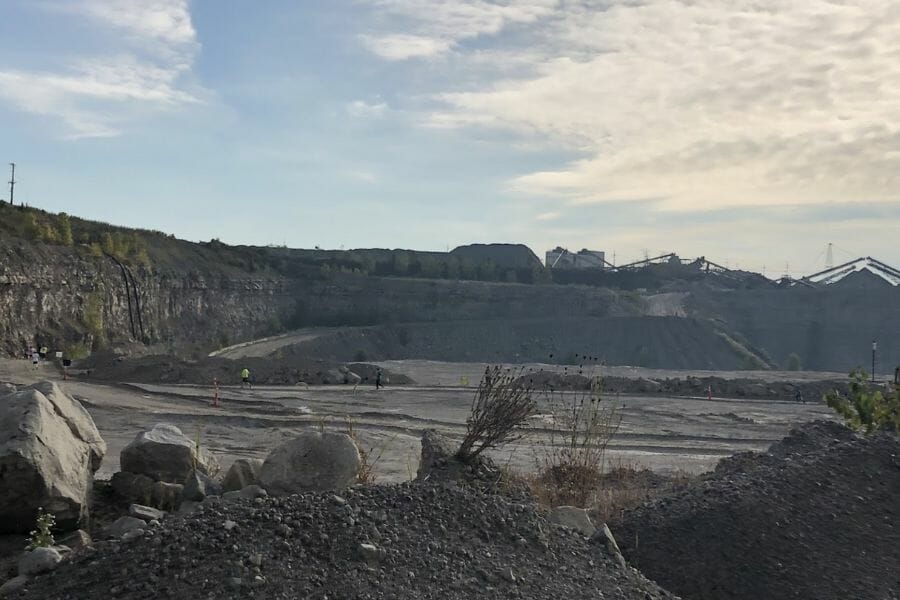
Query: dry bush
(369, 456)
(500, 408)
(580, 427)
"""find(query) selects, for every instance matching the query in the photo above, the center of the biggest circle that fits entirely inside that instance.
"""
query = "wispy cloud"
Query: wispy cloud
(94, 96)
(362, 109)
(440, 26)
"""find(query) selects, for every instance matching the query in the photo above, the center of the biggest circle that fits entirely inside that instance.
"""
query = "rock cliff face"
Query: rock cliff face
(62, 297)
(57, 296)
(66, 298)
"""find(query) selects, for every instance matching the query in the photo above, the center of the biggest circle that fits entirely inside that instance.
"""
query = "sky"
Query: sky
(752, 132)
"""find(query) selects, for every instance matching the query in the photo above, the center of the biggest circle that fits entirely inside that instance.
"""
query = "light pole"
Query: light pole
(874, 348)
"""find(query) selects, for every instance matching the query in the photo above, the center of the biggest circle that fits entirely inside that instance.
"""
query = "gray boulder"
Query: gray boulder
(39, 560)
(604, 537)
(313, 461)
(243, 472)
(198, 486)
(164, 453)
(49, 451)
(573, 518)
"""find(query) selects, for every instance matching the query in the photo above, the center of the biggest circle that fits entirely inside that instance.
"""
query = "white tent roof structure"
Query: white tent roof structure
(875, 267)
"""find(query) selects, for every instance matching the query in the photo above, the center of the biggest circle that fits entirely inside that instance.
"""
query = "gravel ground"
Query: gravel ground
(429, 541)
(818, 516)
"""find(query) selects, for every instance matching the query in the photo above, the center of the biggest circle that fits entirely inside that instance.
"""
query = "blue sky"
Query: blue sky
(751, 134)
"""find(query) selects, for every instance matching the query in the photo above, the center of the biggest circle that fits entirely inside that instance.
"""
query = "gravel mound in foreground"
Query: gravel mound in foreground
(815, 517)
(430, 541)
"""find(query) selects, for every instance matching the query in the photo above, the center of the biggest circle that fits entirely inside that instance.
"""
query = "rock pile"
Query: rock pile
(411, 541)
(49, 451)
(817, 516)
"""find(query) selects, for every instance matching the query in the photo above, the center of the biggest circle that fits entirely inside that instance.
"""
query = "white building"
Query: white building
(561, 258)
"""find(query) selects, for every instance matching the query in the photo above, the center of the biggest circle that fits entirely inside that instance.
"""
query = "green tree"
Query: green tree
(33, 231)
(48, 234)
(64, 230)
(864, 408)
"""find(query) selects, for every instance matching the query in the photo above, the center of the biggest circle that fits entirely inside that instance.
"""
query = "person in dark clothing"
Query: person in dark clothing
(378, 380)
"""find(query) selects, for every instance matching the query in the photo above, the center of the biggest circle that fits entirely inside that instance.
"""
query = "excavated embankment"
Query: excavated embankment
(425, 541)
(817, 516)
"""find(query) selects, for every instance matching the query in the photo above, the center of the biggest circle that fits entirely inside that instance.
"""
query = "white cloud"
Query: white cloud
(694, 104)
(362, 109)
(94, 96)
(441, 26)
(549, 216)
(166, 21)
(402, 47)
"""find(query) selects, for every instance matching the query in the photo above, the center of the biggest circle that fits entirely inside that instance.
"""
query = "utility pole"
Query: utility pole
(12, 184)
(874, 348)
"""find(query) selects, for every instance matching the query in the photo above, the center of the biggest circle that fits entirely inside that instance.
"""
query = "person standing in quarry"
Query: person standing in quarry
(245, 378)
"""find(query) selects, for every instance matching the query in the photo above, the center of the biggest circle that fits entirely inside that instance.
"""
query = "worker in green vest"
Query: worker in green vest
(245, 378)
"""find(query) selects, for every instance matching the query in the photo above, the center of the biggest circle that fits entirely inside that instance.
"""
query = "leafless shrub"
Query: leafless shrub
(369, 456)
(581, 425)
(500, 408)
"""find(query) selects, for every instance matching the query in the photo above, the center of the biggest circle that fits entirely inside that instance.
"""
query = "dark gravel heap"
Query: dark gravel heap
(816, 517)
(432, 541)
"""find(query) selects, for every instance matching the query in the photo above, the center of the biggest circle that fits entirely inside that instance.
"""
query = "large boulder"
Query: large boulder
(163, 453)
(313, 461)
(49, 451)
(243, 472)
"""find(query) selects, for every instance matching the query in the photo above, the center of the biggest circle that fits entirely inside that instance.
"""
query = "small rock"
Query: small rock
(77, 539)
(249, 492)
(123, 525)
(39, 560)
(371, 554)
(235, 582)
(187, 508)
(145, 513)
(13, 585)
(256, 559)
(132, 535)
(229, 525)
(574, 518)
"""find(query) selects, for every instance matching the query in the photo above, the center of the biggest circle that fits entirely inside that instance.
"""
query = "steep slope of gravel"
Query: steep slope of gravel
(817, 516)
(428, 541)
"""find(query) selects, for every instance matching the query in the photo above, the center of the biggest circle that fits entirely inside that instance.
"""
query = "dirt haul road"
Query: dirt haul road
(661, 433)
